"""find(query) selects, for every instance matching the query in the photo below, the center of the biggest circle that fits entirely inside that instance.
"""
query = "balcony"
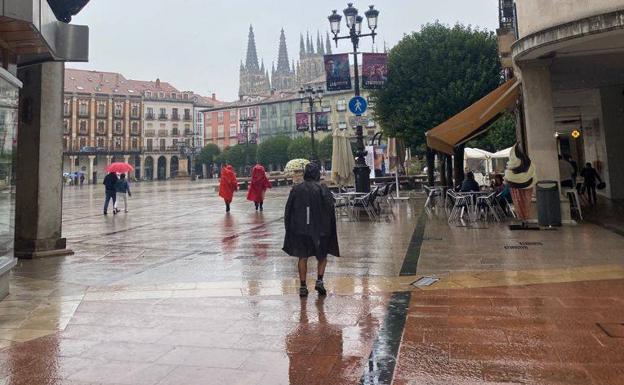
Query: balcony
(134, 131)
(149, 116)
(175, 117)
(66, 112)
(187, 118)
(101, 114)
(188, 132)
(162, 133)
(150, 133)
(83, 114)
(163, 117)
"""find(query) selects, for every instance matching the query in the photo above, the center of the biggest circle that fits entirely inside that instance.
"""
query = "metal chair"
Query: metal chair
(487, 206)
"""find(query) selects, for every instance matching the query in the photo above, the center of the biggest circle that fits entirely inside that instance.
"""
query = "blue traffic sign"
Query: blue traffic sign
(358, 105)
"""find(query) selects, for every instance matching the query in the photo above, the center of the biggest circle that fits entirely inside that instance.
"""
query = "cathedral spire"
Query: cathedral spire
(262, 66)
(283, 64)
(328, 49)
(301, 47)
(309, 48)
(319, 44)
(252, 55)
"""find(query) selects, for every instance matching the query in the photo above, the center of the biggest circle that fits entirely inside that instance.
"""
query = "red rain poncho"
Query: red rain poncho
(228, 183)
(259, 184)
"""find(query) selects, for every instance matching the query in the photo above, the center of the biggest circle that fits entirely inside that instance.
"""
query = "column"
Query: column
(167, 166)
(72, 163)
(39, 190)
(90, 169)
(126, 158)
(141, 174)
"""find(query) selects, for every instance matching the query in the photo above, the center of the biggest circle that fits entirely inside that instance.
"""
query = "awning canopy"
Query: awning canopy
(474, 120)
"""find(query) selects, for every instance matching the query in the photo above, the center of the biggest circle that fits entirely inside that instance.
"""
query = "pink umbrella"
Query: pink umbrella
(119, 167)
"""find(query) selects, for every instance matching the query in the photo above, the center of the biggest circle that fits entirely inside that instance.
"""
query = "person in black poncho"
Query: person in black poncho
(310, 222)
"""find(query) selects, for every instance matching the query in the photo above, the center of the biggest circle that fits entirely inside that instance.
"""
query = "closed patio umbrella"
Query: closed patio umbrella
(343, 161)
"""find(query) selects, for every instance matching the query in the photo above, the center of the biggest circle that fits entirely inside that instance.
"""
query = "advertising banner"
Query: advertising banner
(303, 121)
(337, 72)
(322, 121)
(242, 138)
(374, 70)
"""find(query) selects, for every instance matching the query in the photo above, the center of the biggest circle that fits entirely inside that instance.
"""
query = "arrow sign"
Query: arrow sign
(358, 105)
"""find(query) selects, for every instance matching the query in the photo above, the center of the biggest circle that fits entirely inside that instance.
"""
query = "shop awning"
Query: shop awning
(474, 120)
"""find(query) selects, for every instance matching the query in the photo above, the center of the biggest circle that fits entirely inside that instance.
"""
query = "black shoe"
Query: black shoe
(257, 206)
(320, 288)
(114, 212)
(261, 208)
(303, 291)
(105, 213)
(227, 208)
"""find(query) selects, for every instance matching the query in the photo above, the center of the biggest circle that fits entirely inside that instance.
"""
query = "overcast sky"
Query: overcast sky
(198, 44)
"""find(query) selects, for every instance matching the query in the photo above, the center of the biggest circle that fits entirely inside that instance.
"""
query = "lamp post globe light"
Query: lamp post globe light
(311, 96)
(354, 23)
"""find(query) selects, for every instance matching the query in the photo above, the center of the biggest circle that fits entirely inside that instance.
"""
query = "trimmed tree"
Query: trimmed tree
(433, 75)
(208, 156)
(274, 151)
(301, 148)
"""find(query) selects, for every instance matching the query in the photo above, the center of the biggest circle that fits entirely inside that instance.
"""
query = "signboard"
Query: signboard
(337, 72)
(303, 121)
(322, 121)
(374, 70)
(355, 121)
(358, 105)
(242, 138)
(253, 138)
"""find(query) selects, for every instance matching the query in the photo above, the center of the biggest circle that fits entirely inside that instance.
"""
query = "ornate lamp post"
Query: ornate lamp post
(354, 23)
(312, 96)
(246, 137)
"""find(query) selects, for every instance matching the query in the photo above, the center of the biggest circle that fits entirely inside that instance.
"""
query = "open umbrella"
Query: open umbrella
(343, 162)
(119, 167)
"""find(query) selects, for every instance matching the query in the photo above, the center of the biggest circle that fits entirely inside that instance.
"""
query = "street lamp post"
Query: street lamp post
(354, 23)
(247, 136)
(312, 96)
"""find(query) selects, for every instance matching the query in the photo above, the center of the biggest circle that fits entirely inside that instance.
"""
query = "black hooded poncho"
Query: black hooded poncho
(310, 219)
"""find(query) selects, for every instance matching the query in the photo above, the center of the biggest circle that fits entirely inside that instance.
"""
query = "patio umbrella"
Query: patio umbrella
(343, 161)
(119, 167)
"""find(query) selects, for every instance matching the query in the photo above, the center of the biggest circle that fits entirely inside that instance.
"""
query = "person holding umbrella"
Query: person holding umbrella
(109, 185)
(227, 185)
(122, 188)
(258, 186)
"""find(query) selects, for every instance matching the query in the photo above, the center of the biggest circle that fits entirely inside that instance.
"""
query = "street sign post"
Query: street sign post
(358, 105)
(355, 121)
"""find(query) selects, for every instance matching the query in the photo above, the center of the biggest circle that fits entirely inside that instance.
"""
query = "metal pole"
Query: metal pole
(361, 171)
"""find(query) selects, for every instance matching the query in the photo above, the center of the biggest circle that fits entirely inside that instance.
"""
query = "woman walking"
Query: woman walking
(122, 187)
(310, 221)
(258, 186)
(227, 186)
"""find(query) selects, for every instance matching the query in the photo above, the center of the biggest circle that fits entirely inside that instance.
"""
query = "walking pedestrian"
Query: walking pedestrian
(258, 186)
(590, 175)
(310, 222)
(109, 185)
(82, 179)
(122, 189)
(227, 186)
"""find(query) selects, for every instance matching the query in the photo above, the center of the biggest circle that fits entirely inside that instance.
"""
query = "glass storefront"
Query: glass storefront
(9, 92)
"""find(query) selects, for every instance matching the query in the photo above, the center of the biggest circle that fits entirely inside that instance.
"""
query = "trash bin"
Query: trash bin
(548, 203)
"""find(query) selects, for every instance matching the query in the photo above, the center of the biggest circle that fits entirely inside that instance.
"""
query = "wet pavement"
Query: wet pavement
(178, 292)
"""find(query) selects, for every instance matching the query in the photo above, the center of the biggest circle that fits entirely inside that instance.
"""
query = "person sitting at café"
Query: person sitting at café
(470, 184)
(503, 192)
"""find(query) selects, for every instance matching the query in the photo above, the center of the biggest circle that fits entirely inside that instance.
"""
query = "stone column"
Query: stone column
(167, 166)
(39, 190)
(91, 166)
(141, 175)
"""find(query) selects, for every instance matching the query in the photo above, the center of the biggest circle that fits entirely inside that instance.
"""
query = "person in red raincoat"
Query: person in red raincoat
(227, 186)
(259, 184)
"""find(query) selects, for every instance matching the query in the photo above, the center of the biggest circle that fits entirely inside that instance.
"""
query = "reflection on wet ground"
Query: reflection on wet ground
(178, 292)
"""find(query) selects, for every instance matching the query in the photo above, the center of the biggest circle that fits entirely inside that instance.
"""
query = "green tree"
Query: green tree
(433, 75)
(274, 151)
(238, 154)
(501, 135)
(209, 154)
(301, 148)
(325, 148)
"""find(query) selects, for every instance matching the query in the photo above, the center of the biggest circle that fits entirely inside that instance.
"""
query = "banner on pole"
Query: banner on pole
(303, 121)
(322, 121)
(337, 72)
(374, 70)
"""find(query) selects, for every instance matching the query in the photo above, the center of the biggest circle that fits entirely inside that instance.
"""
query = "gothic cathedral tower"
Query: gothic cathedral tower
(284, 77)
(254, 80)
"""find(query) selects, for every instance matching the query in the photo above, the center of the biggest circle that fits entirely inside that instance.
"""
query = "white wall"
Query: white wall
(536, 15)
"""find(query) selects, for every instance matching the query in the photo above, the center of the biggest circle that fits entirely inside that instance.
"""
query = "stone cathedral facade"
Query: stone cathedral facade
(287, 75)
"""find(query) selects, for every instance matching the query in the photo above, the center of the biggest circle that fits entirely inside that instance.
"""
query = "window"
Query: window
(173, 95)
(174, 114)
(118, 127)
(252, 112)
(148, 94)
(150, 144)
(150, 113)
(163, 145)
(66, 129)
(161, 95)
(220, 131)
(341, 105)
(187, 129)
(101, 143)
(175, 131)
(273, 110)
(342, 125)
(200, 117)
(208, 117)
(135, 143)
(233, 115)
(119, 110)
(233, 132)
(83, 108)
(83, 143)
(162, 114)
(101, 127)
(243, 114)
(101, 109)
(186, 96)
(135, 111)
(187, 114)
(66, 109)
(118, 144)
(135, 128)
(65, 144)
(83, 127)
(220, 117)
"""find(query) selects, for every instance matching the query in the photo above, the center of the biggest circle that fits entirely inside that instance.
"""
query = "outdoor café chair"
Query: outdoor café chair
(487, 207)
(461, 206)
(367, 203)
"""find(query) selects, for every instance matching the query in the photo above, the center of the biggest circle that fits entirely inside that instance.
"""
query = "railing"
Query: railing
(83, 114)
(119, 115)
(175, 117)
(149, 117)
(150, 133)
(188, 118)
(135, 116)
(101, 114)
(162, 133)
(163, 117)
(188, 132)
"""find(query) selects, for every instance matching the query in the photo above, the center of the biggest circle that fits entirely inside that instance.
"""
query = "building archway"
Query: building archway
(162, 168)
(175, 165)
(136, 159)
(148, 173)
